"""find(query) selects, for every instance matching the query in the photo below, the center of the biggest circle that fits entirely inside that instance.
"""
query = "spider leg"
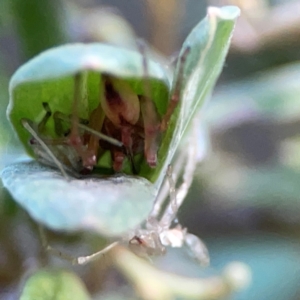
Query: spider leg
(90, 130)
(74, 139)
(176, 92)
(118, 157)
(152, 130)
(89, 159)
(79, 89)
(186, 163)
(133, 167)
(96, 123)
(62, 156)
(80, 260)
(87, 151)
(127, 140)
(190, 166)
(172, 208)
(29, 126)
(165, 189)
(121, 106)
(150, 116)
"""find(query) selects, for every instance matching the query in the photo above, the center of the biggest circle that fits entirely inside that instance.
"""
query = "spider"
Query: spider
(124, 123)
(161, 229)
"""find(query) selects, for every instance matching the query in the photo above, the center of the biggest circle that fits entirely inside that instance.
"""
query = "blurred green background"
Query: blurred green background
(245, 200)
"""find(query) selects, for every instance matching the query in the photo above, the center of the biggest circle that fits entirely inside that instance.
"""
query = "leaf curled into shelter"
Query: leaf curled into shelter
(109, 205)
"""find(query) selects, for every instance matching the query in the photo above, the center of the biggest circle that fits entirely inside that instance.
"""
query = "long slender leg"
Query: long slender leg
(165, 189)
(81, 260)
(172, 208)
(150, 116)
(89, 158)
(44, 158)
(176, 92)
(118, 157)
(88, 155)
(173, 194)
(176, 199)
(42, 145)
(131, 159)
(27, 124)
(152, 131)
(190, 166)
(96, 123)
(44, 155)
(186, 162)
(75, 140)
(90, 130)
(79, 89)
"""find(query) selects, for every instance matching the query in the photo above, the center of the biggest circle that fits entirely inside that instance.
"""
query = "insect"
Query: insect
(125, 123)
(88, 89)
(90, 108)
(161, 229)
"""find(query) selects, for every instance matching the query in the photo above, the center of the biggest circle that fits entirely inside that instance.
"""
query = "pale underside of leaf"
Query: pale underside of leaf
(110, 206)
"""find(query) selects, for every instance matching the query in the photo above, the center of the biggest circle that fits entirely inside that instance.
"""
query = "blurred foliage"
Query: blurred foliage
(54, 284)
(273, 259)
(39, 24)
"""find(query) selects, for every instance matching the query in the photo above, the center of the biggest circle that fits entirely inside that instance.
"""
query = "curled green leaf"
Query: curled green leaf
(109, 206)
(47, 81)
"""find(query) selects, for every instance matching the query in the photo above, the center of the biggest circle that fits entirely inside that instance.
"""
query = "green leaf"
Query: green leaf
(209, 42)
(109, 206)
(101, 204)
(54, 285)
(49, 77)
